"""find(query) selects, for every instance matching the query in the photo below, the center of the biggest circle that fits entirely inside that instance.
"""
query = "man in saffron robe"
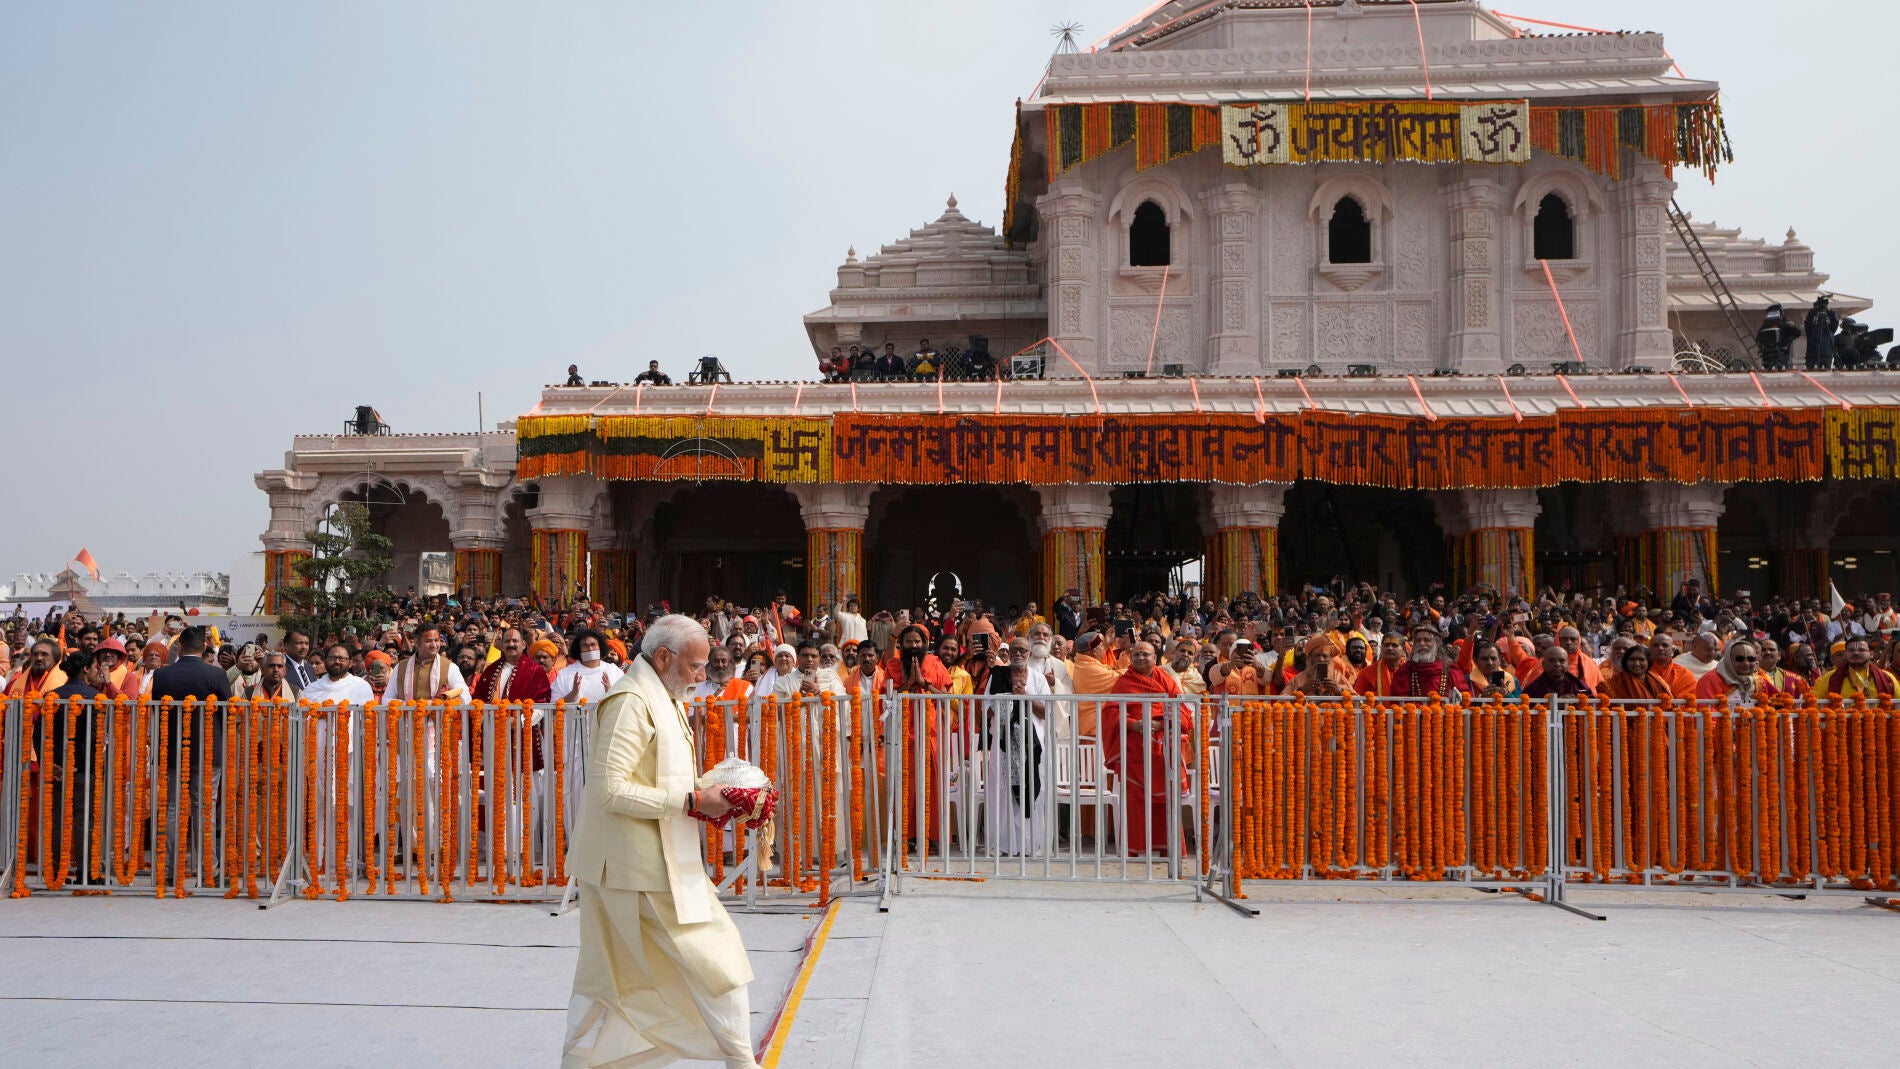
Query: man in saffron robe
(1584, 667)
(42, 672)
(1376, 678)
(1135, 748)
(1662, 664)
(1858, 678)
(915, 670)
(1092, 675)
(1426, 672)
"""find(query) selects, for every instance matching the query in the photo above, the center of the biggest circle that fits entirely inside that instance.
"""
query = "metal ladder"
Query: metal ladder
(1713, 279)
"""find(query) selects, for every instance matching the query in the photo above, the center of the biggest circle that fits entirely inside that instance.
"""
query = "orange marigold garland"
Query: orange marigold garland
(30, 714)
(311, 794)
(445, 801)
(341, 869)
(164, 810)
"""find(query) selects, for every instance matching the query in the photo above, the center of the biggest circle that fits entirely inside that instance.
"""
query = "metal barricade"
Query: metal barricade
(149, 797)
(1769, 799)
(1120, 788)
(1545, 796)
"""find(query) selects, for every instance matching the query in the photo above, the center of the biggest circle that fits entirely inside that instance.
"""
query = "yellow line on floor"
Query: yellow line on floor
(797, 995)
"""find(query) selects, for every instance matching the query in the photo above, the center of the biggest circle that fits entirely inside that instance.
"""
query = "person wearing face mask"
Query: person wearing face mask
(1014, 733)
(588, 676)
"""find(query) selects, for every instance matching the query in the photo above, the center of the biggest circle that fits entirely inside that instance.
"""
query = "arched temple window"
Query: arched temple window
(1349, 234)
(1149, 237)
(1554, 233)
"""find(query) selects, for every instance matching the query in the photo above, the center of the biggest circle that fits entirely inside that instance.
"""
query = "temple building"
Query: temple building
(1359, 289)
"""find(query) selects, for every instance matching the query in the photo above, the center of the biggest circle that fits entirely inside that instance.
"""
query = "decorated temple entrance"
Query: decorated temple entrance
(1156, 531)
(1389, 537)
(739, 541)
(983, 534)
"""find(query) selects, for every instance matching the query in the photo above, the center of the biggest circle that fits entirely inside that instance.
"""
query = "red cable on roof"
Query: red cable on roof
(1260, 401)
(1419, 21)
(1078, 367)
(1156, 336)
(1508, 399)
(1420, 394)
(1817, 385)
(1195, 385)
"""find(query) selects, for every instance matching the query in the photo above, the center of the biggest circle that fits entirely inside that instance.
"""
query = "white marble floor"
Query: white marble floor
(206, 982)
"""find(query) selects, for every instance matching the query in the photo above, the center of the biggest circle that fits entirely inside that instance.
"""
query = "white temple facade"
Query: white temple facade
(1165, 268)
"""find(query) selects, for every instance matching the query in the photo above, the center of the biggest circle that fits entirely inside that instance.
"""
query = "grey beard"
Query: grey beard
(1424, 657)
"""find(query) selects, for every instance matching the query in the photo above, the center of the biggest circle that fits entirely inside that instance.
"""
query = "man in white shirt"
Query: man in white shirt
(337, 684)
(849, 622)
(1044, 662)
(1700, 658)
(439, 678)
(809, 679)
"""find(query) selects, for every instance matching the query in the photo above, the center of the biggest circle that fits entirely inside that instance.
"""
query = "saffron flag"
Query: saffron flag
(85, 558)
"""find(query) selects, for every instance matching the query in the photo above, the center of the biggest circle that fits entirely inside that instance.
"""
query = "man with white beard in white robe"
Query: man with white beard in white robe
(662, 973)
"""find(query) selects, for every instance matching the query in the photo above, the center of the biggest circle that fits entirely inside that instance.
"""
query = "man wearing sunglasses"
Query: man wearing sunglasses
(1737, 677)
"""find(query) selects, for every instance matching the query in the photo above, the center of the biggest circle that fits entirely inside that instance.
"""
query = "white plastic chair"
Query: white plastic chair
(1082, 779)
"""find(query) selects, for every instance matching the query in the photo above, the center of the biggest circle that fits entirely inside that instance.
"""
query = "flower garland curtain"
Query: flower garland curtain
(1574, 445)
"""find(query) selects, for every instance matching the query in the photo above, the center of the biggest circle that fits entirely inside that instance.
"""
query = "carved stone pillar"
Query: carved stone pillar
(1074, 525)
(1474, 200)
(1070, 213)
(834, 515)
(1642, 202)
(558, 550)
(1244, 553)
(1678, 539)
(1234, 337)
(286, 542)
(1499, 549)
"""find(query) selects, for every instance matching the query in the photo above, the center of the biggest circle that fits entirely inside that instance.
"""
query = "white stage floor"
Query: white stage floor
(989, 975)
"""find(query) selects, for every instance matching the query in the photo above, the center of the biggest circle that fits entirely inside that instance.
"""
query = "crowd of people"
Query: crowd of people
(1317, 641)
(1016, 663)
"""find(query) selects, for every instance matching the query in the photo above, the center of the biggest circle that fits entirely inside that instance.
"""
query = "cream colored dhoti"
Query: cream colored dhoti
(649, 991)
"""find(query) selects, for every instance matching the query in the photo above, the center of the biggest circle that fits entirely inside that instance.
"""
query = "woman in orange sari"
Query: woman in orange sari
(1632, 680)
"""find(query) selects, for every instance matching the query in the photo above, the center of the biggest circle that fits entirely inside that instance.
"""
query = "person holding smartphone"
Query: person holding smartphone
(1490, 678)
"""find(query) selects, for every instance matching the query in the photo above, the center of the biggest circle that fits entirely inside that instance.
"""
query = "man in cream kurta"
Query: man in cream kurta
(662, 972)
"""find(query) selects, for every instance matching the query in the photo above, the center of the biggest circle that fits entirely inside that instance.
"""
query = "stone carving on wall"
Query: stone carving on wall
(1233, 225)
(1233, 258)
(1538, 336)
(1130, 329)
(1413, 255)
(1288, 337)
(1070, 319)
(1357, 332)
(1292, 248)
(1074, 230)
(1069, 262)
(1415, 334)
(1477, 302)
(1649, 302)
(1233, 301)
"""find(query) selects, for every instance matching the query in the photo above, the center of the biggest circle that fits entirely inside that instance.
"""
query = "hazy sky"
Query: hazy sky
(222, 224)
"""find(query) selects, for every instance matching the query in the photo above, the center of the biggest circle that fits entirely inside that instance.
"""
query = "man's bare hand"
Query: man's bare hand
(712, 803)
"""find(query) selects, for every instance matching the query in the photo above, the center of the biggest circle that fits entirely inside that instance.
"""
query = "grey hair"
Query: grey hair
(674, 632)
